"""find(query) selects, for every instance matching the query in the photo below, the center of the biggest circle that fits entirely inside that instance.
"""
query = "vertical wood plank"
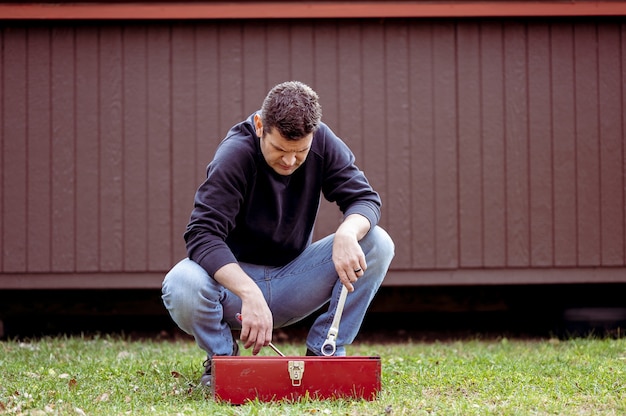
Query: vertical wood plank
(470, 181)
(208, 101)
(301, 51)
(611, 113)
(540, 146)
(231, 50)
(326, 71)
(587, 144)
(14, 163)
(110, 112)
(374, 85)
(277, 50)
(492, 135)
(422, 133)
(446, 149)
(564, 146)
(255, 67)
(2, 146)
(516, 151)
(88, 249)
(399, 150)
(350, 87)
(622, 35)
(184, 174)
(163, 238)
(38, 222)
(63, 151)
(135, 148)
(326, 86)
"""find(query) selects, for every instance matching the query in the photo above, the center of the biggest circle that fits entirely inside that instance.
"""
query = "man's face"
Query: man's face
(282, 155)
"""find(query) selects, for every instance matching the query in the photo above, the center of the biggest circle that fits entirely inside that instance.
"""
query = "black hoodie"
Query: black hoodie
(247, 212)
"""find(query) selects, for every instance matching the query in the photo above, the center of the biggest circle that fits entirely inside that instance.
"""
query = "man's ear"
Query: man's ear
(258, 124)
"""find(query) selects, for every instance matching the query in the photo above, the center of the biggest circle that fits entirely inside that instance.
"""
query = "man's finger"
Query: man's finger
(346, 282)
(260, 343)
(250, 339)
(245, 331)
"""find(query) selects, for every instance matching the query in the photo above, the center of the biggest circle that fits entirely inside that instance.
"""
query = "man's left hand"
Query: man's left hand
(348, 256)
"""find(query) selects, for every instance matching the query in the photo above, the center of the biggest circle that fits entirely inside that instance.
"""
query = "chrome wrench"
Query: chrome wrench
(330, 347)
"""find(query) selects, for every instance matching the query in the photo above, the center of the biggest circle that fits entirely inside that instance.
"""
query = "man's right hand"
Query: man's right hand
(257, 321)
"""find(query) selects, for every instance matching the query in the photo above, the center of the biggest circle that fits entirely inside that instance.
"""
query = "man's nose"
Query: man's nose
(289, 159)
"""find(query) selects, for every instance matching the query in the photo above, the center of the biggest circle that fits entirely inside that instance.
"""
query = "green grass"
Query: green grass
(110, 375)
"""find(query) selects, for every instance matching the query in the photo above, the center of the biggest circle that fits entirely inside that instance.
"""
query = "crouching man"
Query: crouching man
(249, 239)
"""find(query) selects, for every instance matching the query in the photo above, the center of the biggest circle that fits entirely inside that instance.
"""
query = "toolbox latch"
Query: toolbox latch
(296, 369)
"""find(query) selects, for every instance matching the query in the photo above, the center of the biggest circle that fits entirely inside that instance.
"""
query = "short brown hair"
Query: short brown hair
(292, 108)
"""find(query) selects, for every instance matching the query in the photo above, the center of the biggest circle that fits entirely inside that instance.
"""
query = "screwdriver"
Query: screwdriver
(272, 346)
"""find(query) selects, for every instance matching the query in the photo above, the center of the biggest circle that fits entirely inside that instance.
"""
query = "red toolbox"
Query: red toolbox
(240, 379)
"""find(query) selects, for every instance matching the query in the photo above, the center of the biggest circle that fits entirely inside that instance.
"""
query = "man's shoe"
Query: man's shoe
(310, 353)
(205, 379)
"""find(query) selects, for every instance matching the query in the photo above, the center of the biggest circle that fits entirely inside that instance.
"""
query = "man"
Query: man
(249, 237)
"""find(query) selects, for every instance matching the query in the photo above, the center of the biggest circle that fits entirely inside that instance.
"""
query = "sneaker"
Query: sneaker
(205, 379)
(310, 353)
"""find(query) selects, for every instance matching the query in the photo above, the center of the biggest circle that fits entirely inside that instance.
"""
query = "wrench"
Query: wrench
(330, 347)
(272, 346)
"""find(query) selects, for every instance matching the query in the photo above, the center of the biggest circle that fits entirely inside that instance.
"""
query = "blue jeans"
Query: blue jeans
(202, 307)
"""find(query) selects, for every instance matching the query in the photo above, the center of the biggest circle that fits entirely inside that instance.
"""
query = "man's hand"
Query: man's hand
(257, 322)
(348, 256)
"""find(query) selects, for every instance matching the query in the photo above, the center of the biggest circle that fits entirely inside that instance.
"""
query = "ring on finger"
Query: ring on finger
(358, 270)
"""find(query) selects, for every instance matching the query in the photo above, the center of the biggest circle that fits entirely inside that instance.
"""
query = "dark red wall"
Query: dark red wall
(497, 145)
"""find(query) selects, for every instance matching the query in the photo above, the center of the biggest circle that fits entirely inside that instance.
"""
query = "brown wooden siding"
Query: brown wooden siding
(497, 145)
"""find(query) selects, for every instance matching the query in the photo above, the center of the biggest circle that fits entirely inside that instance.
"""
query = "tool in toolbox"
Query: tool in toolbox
(240, 379)
(272, 346)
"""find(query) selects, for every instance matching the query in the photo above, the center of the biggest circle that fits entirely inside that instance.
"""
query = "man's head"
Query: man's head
(290, 115)
(293, 109)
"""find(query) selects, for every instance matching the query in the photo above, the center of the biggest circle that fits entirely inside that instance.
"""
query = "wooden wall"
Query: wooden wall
(497, 145)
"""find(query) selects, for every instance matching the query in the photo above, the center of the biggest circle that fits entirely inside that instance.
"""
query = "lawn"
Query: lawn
(116, 375)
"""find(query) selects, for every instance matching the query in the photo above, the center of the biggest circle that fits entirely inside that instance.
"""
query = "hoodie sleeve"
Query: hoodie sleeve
(216, 205)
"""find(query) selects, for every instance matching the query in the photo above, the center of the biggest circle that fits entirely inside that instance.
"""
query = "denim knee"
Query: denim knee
(180, 290)
(379, 246)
